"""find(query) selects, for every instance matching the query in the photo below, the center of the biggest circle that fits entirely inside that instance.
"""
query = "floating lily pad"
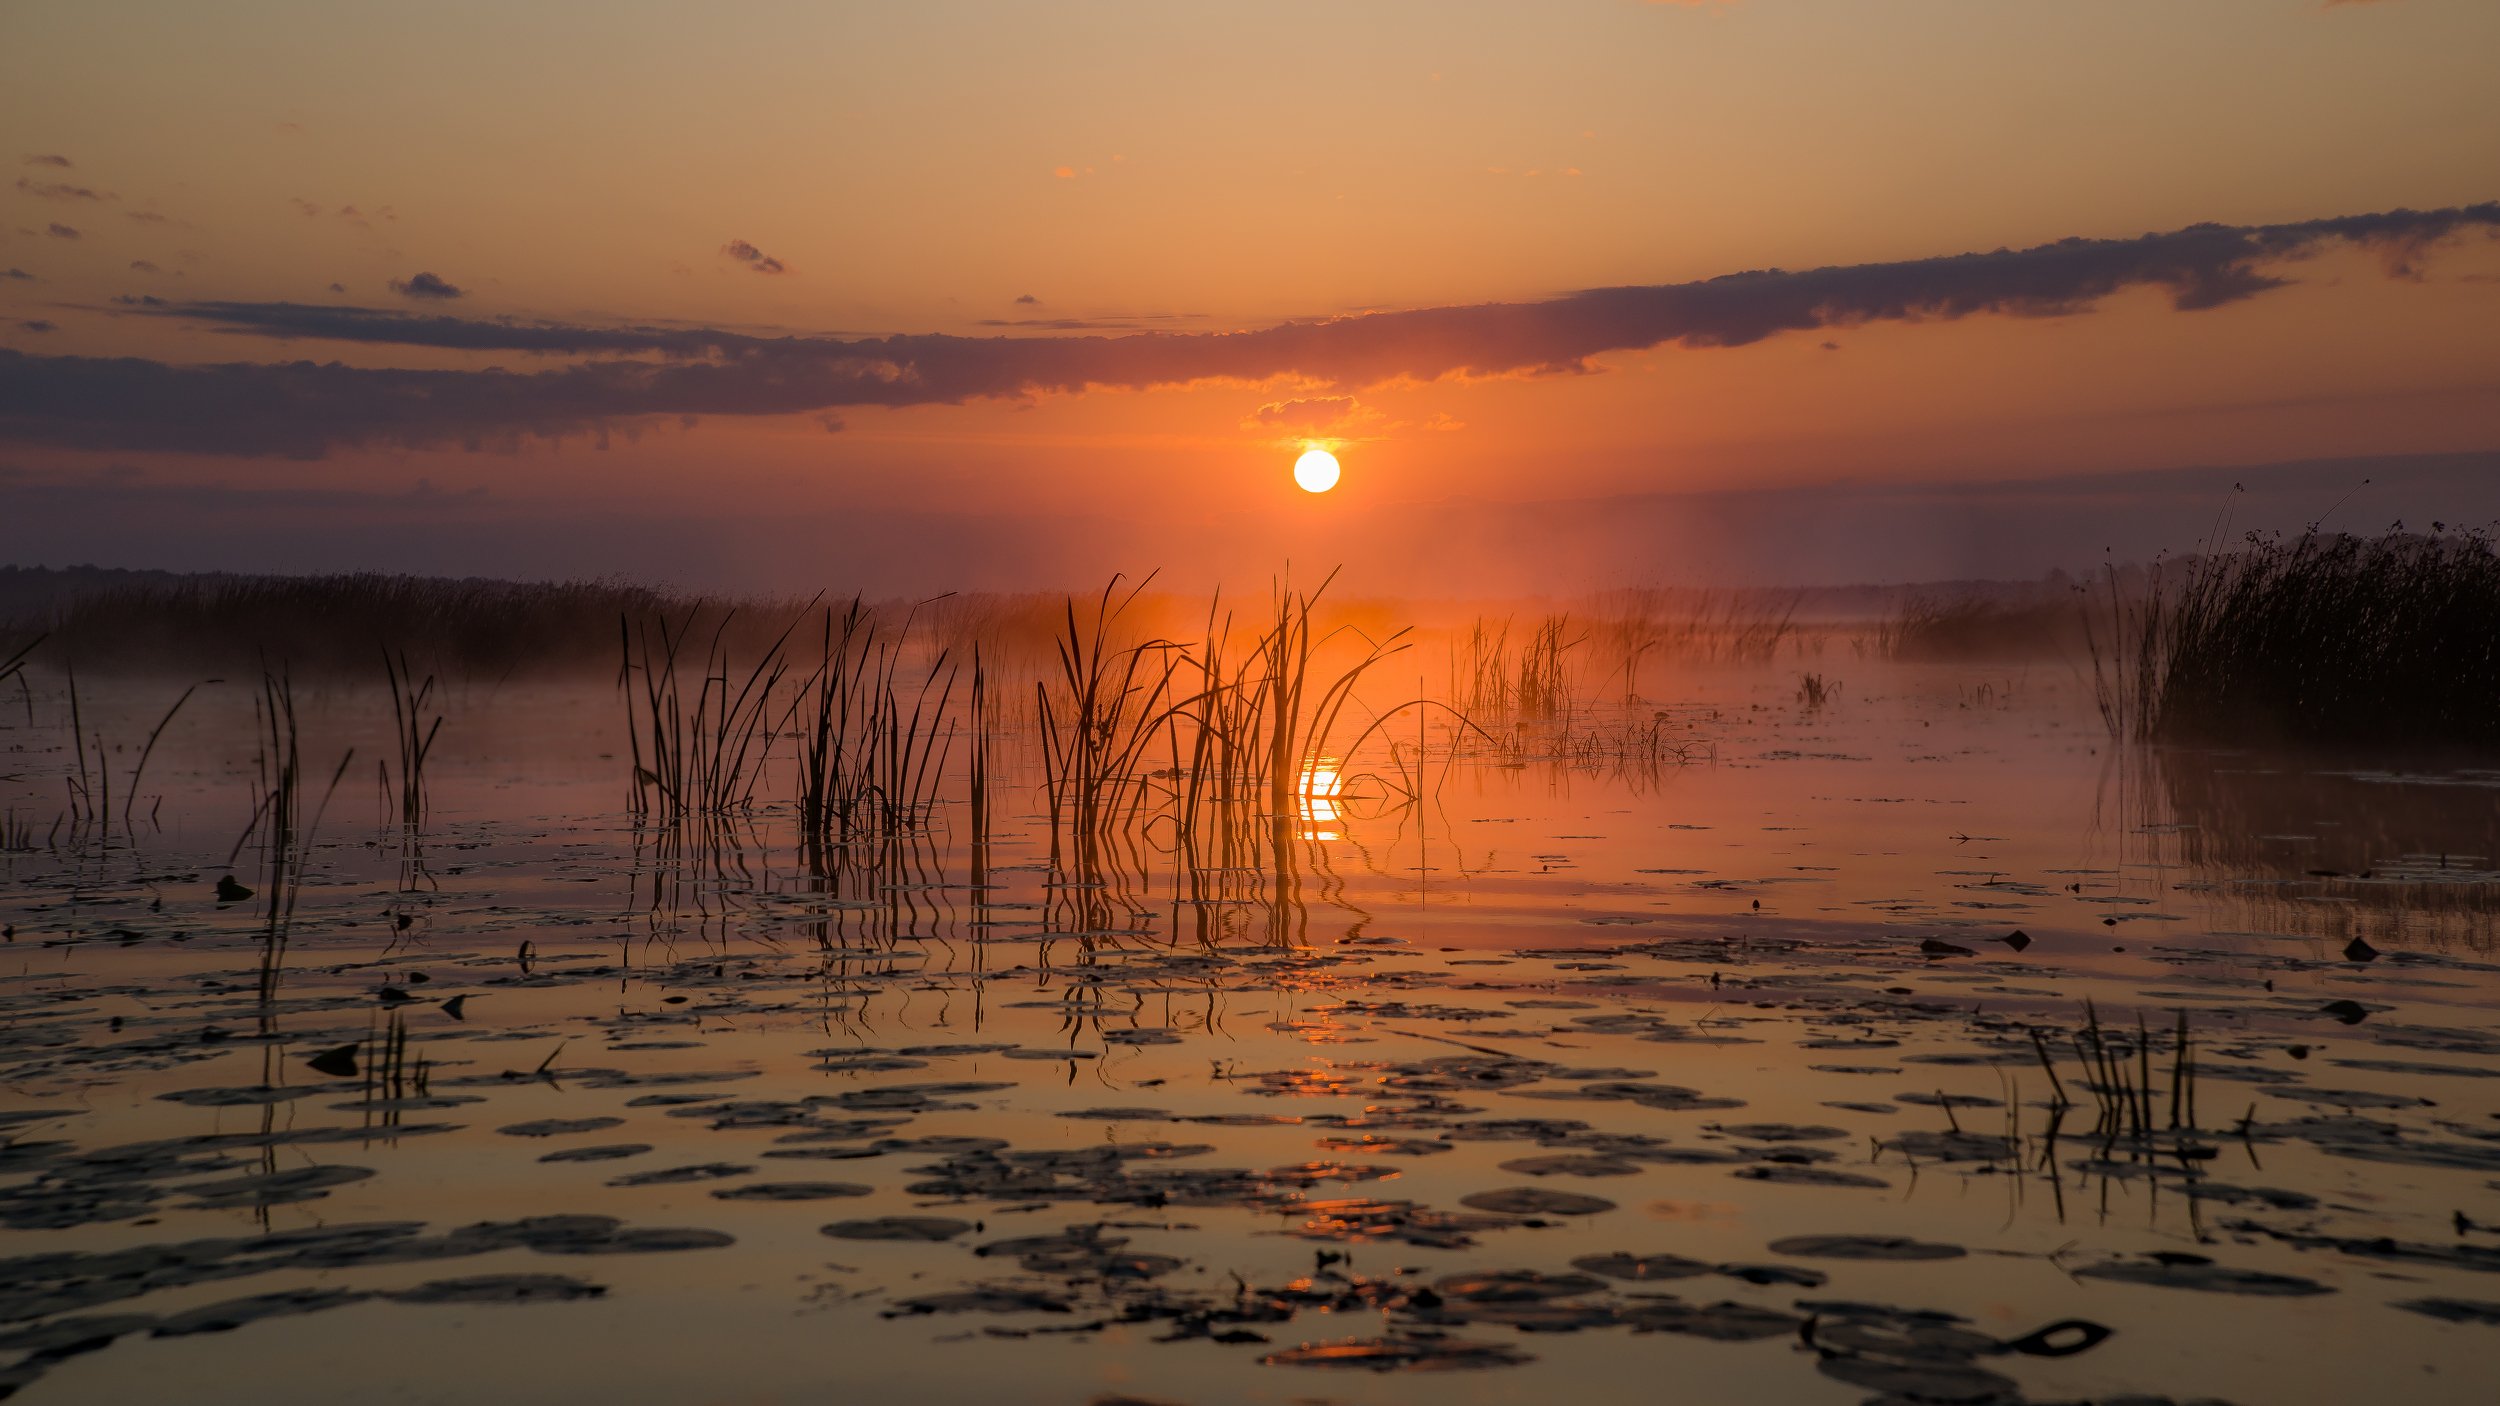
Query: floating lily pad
(558, 1127)
(1808, 1176)
(792, 1191)
(234, 1313)
(1405, 1354)
(1641, 1267)
(500, 1289)
(2184, 1271)
(604, 1152)
(1864, 1247)
(897, 1228)
(1536, 1201)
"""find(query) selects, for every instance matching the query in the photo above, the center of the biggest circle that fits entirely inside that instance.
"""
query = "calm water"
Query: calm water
(1716, 1081)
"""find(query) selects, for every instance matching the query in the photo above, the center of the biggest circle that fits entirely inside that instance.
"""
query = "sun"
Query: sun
(1316, 471)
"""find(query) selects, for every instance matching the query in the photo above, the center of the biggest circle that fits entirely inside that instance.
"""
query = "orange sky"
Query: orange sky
(840, 172)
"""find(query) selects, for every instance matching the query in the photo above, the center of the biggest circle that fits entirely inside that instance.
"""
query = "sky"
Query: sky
(1000, 295)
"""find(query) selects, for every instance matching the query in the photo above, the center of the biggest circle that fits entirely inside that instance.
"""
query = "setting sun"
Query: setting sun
(1316, 471)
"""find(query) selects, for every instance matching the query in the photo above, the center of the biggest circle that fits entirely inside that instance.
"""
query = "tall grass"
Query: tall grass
(696, 754)
(1967, 625)
(1493, 681)
(324, 625)
(2325, 638)
(416, 720)
(286, 835)
(870, 756)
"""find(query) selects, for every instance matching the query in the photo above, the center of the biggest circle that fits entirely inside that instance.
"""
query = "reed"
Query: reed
(13, 665)
(277, 817)
(1491, 681)
(871, 753)
(1968, 625)
(698, 754)
(322, 625)
(416, 720)
(2323, 638)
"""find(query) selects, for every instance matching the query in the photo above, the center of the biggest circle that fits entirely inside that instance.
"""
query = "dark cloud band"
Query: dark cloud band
(619, 374)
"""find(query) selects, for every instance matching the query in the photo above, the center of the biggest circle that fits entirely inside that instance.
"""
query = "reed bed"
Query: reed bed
(321, 625)
(1929, 626)
(2322, 638)
(1493, 681)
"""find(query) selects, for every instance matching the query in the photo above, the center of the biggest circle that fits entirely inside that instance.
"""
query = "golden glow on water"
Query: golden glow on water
(1322, 792)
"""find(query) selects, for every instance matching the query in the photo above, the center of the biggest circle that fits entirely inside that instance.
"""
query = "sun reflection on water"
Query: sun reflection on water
(1321, 792)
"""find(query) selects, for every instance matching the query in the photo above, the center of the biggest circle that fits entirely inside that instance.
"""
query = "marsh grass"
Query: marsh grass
(2322, 638)
(326, 625)
(874, 731)
(416, 720)
(696, 754)
(1495, 681)
(13, 665)
(286, 836)
(1965, 625)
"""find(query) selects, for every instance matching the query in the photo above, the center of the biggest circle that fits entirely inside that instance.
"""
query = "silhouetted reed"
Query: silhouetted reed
(698, 755)
(1636, 624)
(870, 758)
(2322, 638)
(277, 817)
(1968, 625)
(1491, 682)
(325, 625)
(416, 719)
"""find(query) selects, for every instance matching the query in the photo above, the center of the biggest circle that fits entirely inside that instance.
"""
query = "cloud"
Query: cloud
(35, 325)
(1028, 300)
(143, 266)
(1130, 323)
(60, 190)
(60, 161)
(146, 217)
(753, 257)
(627, 373)
(62, 231)
(425, 285)
(1316, 415)
(17, 273)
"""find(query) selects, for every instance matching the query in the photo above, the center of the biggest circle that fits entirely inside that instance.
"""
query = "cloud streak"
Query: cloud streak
(753, 257)
(620, 374)
(425, 286)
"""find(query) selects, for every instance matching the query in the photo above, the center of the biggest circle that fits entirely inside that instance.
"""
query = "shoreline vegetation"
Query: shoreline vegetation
(2325, 638)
